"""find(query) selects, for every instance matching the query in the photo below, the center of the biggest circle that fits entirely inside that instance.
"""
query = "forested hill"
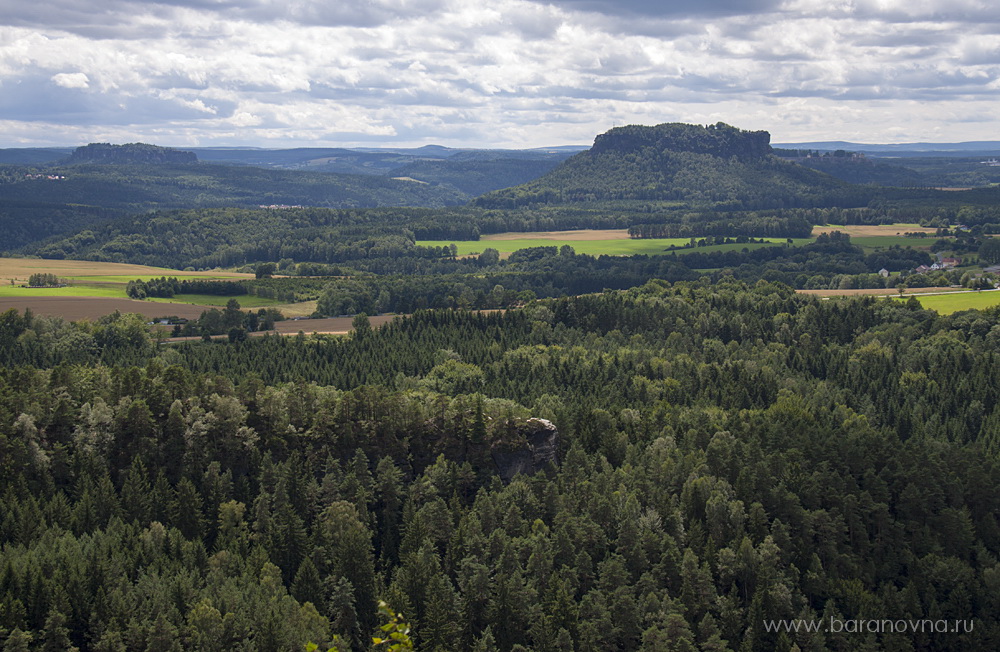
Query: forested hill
(714, 165)
(129, 153)
(70, 198)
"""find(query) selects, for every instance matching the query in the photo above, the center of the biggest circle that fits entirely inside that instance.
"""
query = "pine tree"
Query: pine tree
(341, 611)
(18, 641)
(486, 642)
(162, 636)
(441, 626)
(206, 628)
(307, 585)
(136, 493)
(344, 544)
(186, 510)
(287, 538)
(55, 636)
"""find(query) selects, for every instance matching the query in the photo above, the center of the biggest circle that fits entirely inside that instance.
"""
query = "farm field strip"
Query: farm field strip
(245, 301)
(612, 246)
(22, 268)
(948, 303)
(574, 236)
(322, 326)
(871, 242)
(125, 278)
(78, 308)
(14, 291)
(880, 292)
(869, 230)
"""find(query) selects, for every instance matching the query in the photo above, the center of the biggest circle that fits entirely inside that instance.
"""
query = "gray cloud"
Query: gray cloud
(671, 8)
(503, 73)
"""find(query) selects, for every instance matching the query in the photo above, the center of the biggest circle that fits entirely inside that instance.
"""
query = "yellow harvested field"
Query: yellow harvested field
(869, 230)
(329, 325)
(579, 235)
(22, 268)
(301, 309)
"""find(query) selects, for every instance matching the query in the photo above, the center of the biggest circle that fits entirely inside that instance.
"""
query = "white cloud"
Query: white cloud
(71, 80)
(500, 73)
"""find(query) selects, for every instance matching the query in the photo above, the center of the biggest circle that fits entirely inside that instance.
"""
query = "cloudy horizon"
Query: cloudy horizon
(508, 73)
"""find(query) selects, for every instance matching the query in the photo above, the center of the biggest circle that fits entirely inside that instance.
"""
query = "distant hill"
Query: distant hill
(715, 165)
(33, 155)
(373, 160)
(73, 197)
(140, 153)
(477, 176)
(865, 170)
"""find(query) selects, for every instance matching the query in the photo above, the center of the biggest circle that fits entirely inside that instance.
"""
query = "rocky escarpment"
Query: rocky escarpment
(720, 140)
(129, 153)
(535, 448)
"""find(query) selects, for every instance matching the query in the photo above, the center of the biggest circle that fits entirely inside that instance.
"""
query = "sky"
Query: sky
(492, 73)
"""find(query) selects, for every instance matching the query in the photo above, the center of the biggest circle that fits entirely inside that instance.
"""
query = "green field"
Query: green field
(125, 278)
(869, 238)
(871, 242)
(116, 290)
(954, 302)
(245, 301)
(611, 247)
(16, 291)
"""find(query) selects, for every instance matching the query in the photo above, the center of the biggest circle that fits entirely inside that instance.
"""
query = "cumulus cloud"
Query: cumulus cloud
(502, 73)
(71, 80)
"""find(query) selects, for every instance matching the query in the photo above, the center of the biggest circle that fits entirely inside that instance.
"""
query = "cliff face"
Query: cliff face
(719, 140)
(537, 449)
(129, 153)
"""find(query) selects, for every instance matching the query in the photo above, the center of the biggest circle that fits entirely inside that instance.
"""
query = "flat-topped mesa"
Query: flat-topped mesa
(718, 140)
(129, 153)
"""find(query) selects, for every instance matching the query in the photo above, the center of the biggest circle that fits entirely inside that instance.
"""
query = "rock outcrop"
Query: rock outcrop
(129, 153)
(536, 448)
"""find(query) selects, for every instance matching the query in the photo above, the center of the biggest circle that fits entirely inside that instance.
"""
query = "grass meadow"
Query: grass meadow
(951, 302)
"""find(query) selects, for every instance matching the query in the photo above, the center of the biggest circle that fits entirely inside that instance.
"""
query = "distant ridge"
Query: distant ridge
(129, 153)
(33, 155)
(967, 148)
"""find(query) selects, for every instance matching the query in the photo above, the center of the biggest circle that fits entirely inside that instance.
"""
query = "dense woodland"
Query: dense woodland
(727, 454)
